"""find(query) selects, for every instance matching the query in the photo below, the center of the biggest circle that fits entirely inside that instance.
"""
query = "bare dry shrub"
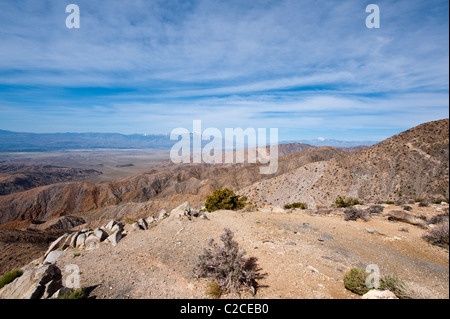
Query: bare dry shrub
(227, 266)
(353, 213)
(438, 235)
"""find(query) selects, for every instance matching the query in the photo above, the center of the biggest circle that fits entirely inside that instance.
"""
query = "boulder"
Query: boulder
(115, 237)
(150, 220)
(52, 257)
(379, 294)
(58, 244)
(135, 226)
(117, 227)
(35, 283)
(81, 238)
(73, 240)
(100, 234)
(110, 225)
(92, 242)
(180, 210)
(402, 216)
(162, 214)
(277, 209)
(143, 223)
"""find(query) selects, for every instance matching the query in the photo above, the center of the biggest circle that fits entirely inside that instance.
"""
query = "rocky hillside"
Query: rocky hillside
(302, 254)
(19, 177)
(166, 187)
(412, 164)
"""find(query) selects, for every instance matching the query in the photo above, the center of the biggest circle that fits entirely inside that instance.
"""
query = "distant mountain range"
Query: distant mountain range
(29, 142)
(334, 143)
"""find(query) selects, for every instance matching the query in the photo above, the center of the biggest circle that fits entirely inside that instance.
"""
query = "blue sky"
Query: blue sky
(309, 68)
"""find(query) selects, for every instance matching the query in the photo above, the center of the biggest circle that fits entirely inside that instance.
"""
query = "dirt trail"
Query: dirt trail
(304, 256)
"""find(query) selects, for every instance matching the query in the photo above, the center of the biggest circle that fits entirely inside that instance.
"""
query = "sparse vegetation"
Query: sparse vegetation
(419, 199)
(9, 277)
(437, 219)
(342, 201)
(353, 213)
(227, 266)
(355, 281)
(389, 202)
(375, 209)
(438, 235)
(296, 205)
(393, 284)
(74, 294)
(225, 199)
(407, 208)
(423, 204)
(130, 220)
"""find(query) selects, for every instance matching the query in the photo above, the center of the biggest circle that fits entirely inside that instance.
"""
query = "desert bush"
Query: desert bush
(227, 265)
(423, 204)
(419, 199)
(400, 202)
(296, 205)
(225, 199)
(74, 294)
(438, 235)
(407, 208)
(353, 213)
(393, 284)
(355, 281)
(342, 201)
(9, 277)
(437, 219)
(389, 202)
(375, 209)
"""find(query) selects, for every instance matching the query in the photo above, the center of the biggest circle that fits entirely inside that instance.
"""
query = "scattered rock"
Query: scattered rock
(143, 223)
(277, 209)
(373, 231)
(100, 234)
(53, 256)
(162, 214)
(36, 283)
(402, 216)
(312, 269)
(135, 226)
(115, 237)
(80, 243)
(92, 242)
(73, 241)
(379, 294)
(110, 225)
(57, 244)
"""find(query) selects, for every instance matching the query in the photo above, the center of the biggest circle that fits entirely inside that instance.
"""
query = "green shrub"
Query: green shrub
(74, 294)
(389, 202)
(355, 281)
(393, 284)
(342, 201)
(9, 277)
(296, 205)
(225, 199)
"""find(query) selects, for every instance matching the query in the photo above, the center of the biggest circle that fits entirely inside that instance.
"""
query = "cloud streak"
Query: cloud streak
(151, 65)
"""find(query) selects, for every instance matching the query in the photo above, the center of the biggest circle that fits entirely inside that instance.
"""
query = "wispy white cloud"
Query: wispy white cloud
(294, 64)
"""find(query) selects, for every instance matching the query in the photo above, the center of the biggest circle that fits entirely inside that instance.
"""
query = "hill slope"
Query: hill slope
(414, 163)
